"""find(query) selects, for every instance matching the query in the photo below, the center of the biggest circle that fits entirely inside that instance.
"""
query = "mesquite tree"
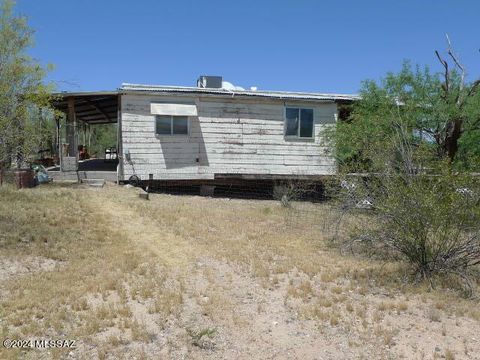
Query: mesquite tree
(439, 109)
(23, 95)
(402, 141)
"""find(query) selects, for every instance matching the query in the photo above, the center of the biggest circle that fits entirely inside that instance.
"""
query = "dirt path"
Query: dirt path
(169, 248)
(250, 317)
(256, 317)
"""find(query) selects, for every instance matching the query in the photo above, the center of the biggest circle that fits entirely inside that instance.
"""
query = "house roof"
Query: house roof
(99, 107)
(279, 95)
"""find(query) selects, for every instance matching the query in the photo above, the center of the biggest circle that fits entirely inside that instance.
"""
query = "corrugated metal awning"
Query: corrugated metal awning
(99, 107)
(174, 109)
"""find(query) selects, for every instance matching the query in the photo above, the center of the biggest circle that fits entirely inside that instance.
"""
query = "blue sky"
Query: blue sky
(303, 45)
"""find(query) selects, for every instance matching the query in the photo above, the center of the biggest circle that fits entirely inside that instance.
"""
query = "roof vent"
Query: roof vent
(205, 81)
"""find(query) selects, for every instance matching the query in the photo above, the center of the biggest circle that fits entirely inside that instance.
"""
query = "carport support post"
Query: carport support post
(150, 181)
(71, 127)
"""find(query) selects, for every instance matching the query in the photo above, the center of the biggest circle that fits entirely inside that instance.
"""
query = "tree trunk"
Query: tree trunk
(453, 133)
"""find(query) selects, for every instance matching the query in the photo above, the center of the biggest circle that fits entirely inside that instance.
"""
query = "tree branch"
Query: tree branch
(456, 61)
(460, 66)
(445, 65)
(474, 87)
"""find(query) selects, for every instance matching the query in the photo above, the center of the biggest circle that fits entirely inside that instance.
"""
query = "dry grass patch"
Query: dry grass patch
(167, 302)
(125, 274)
(385, 335)
(216, 305)
(95, 261)
(304, 290)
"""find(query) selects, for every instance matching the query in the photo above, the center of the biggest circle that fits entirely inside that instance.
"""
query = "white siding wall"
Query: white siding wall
(232, 136)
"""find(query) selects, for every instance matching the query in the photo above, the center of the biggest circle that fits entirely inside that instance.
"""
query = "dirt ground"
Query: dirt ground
(187, 277)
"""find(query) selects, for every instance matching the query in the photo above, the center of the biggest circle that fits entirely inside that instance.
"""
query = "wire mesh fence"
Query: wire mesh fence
(244, 189)
(304, 203)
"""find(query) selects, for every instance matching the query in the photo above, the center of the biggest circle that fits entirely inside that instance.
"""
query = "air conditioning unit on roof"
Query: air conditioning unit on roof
(207, 81)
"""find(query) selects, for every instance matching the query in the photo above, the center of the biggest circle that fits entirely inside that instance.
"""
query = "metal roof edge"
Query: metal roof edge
(280, 95)
(287, 95)
(86, 93)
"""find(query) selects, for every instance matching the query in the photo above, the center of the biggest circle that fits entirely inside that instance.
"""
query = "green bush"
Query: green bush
(432, 221)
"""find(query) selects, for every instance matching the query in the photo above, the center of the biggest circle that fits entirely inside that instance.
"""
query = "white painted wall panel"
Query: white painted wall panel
(231, 136)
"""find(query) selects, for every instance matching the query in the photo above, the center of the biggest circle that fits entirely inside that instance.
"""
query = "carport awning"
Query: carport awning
(90, 107)
(174, 109)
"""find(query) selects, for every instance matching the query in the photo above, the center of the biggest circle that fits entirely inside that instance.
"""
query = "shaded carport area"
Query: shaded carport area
(81, 111)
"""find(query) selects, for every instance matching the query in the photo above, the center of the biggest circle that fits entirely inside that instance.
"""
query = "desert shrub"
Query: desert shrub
(432, 221)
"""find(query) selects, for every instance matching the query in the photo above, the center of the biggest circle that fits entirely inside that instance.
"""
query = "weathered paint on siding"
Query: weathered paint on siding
(230, 136)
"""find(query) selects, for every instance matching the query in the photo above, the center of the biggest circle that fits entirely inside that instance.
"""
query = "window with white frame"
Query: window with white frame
(299, 122)
(171, 125)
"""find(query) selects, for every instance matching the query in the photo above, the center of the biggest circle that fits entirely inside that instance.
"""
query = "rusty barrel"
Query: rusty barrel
(24, 178)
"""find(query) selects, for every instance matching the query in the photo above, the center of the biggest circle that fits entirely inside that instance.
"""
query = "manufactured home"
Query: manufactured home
(211, 132)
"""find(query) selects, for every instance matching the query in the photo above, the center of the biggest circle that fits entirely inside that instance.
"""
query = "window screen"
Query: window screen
(291, 122)
(299, 122)
(180, 125)
(163, 124)
(306, 123)
(171, 125)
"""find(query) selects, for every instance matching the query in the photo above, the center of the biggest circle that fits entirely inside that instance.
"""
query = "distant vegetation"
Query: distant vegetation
(103, 136)
(25, 118)
(27, 123)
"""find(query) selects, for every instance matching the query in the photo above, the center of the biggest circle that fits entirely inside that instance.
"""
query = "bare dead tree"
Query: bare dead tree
(455, 93)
